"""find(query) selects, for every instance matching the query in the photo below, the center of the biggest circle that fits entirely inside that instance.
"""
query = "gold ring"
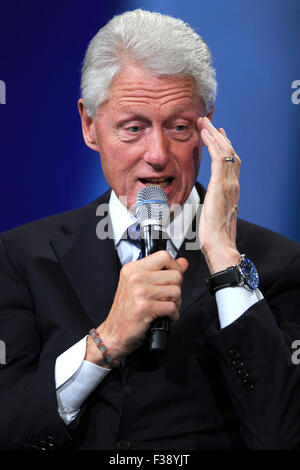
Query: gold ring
(229, 159)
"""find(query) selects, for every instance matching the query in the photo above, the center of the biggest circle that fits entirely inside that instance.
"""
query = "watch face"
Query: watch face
(250, 273)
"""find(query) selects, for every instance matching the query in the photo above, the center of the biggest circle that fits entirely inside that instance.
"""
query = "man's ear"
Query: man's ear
(88, 127)
(211, 113)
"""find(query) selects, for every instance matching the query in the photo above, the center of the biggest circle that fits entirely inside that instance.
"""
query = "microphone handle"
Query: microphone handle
(153, 239)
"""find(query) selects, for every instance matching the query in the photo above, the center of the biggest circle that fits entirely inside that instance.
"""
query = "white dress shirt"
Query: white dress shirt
(76, 378)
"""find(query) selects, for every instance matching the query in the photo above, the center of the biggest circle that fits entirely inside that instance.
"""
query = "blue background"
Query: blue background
(46, 167)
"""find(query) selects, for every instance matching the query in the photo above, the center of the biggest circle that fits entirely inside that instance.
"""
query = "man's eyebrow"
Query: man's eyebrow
(138, 116)
(131, 116)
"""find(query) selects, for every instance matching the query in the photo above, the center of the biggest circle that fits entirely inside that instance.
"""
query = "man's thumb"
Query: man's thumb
(183, 263)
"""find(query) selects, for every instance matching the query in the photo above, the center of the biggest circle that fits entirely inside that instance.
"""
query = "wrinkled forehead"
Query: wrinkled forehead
(133, 87)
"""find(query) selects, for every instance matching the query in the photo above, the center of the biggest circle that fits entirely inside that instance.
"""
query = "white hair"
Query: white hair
(157, 43)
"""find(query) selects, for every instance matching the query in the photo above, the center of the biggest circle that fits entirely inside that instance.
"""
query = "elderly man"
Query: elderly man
(76, 309)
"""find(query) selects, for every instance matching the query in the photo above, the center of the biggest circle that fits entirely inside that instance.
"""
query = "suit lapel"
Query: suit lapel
(194, 285)
(91, 265)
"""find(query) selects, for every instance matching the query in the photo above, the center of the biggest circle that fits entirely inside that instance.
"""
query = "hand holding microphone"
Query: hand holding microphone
(148, 290)
(153, 212)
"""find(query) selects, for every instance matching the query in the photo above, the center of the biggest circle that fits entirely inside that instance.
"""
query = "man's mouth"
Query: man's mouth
(162, 182)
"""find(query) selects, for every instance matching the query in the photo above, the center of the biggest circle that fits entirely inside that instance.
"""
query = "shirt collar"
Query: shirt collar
(121, 218)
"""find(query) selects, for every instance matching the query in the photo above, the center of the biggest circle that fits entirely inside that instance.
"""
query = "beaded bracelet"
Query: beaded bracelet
(100, 345)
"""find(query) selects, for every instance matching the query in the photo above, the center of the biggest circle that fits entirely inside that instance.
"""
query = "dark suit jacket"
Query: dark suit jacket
(214, 389)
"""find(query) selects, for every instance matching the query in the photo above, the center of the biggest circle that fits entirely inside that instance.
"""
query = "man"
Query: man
(76, 309)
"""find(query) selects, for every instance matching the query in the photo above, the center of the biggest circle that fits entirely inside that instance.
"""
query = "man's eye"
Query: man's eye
(133, 129)
(180, 128)
(181, 131)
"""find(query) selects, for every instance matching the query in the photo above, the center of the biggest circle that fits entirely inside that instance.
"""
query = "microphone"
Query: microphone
(153, 211)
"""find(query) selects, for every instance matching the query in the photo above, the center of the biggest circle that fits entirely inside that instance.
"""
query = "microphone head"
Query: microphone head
(152, 206)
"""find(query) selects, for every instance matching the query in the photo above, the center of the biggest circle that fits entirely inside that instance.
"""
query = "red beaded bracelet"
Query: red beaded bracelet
(100, 345)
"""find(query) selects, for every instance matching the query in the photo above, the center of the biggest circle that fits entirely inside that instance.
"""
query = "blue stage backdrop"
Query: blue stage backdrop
(46, 167)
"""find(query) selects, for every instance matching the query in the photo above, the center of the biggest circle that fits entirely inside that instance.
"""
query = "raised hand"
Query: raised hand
(219, 213)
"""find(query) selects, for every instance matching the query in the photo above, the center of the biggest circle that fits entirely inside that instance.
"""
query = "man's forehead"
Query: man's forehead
(131, 96)
(153, 87)
(140, 111)
(135, 80)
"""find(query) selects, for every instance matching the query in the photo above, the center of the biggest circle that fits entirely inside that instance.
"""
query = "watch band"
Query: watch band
(230, 277)
(243, 274)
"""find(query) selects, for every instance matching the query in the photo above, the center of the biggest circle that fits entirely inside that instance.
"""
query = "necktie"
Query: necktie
(133, 236)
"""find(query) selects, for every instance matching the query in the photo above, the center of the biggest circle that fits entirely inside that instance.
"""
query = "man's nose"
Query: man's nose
(157, 153)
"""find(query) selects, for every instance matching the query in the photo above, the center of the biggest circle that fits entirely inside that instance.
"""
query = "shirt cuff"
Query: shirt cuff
(75, 380)
(232, 302)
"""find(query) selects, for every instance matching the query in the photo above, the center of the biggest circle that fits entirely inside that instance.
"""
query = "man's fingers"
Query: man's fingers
(163, 260)
(220, 168)
(219, 145)
(166, 309)
(220, 137)
(165, 277)
(217, 157)
(170, 293)
(236, 157)
(183, 263)
(222, 131)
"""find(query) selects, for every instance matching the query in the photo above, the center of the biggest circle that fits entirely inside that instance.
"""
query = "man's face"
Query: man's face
(146, 133)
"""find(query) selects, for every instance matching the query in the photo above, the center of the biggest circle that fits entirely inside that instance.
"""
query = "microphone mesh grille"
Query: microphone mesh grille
(152, 203)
